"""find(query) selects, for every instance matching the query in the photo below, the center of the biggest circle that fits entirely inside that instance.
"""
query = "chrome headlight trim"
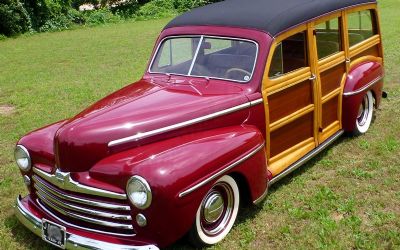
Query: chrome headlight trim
(20, 153)
(146, 187)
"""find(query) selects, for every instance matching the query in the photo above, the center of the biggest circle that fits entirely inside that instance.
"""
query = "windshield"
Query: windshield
(202, 56)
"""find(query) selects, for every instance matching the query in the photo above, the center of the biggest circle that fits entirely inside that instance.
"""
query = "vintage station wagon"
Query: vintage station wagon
(237, 95)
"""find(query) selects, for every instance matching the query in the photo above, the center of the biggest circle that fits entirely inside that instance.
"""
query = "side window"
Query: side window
(328, 37)
(289, 55)
(361, 25)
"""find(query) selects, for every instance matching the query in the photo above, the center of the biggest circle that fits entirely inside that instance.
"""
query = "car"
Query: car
(235, 97)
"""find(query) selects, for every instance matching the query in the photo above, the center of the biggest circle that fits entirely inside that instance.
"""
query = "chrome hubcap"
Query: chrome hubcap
(213, 207)
(363, 111)
(217, 209)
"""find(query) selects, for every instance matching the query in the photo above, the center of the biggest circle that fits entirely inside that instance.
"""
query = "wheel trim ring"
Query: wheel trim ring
(363, 117)
(214, 229)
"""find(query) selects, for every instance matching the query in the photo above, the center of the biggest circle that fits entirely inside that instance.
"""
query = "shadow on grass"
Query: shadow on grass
(23, 236)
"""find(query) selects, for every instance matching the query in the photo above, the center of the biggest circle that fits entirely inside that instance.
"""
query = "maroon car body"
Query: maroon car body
(179, 133)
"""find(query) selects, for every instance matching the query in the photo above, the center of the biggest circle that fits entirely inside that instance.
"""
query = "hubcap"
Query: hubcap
(217, 209)
(363, 112)
(213, 207)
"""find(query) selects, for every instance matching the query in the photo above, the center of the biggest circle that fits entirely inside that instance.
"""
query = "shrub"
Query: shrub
(101, 16)
(157, 9)
(127, 9)
(56, 23)
(76, 16)
(14, 18)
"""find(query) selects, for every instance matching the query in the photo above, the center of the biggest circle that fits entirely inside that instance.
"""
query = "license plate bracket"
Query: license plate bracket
(54, 234)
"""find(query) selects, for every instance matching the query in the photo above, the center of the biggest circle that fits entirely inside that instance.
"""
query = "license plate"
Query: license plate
(54, 233)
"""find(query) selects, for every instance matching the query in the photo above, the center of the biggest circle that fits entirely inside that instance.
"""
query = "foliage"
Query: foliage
(157, 9)
(101, 16)
(14, 19)
(19, 16)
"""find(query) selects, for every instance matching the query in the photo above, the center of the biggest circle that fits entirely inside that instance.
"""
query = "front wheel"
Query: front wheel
(216, 214)
(365, 113)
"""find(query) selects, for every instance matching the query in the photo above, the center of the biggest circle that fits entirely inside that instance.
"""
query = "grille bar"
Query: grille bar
(43, 186)
(80, 227)
(67, 183)
(84, 218)
(41, 193)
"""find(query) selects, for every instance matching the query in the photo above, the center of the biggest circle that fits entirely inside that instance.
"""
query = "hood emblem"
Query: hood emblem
(61, 177)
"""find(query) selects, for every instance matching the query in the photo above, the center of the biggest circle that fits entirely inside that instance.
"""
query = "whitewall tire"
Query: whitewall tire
(216, 214)
(365, 114)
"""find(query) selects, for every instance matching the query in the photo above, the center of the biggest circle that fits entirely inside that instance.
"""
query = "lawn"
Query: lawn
(346, 198)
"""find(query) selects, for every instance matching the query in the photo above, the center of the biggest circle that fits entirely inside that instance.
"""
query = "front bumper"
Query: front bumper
(73, 241)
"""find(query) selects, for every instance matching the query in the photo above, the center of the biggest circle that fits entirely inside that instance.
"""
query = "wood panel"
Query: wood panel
(292, 134)
(332, 78)
(330, 112)
(290, 100)
(373, 51)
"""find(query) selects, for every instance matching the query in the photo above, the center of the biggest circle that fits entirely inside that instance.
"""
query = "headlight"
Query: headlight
(22, 158)
(139, 192)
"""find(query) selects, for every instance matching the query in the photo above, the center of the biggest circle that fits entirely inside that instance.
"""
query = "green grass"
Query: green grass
(346, 198)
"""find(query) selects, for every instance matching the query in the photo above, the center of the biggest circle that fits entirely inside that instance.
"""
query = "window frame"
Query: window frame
(374, 22)
(202, 38)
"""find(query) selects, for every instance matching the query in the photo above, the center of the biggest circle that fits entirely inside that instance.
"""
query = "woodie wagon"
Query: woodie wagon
(235, 97)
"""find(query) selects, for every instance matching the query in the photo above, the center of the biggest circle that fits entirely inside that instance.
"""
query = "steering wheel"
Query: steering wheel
(237, 70)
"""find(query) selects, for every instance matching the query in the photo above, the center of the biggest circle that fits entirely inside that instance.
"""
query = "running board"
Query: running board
(306, 158)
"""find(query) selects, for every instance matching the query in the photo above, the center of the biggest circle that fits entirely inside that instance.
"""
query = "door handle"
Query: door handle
(313, 77)
(348, 60)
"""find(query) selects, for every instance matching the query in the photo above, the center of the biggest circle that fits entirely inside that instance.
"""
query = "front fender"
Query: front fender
(174, 166)
(362, 78)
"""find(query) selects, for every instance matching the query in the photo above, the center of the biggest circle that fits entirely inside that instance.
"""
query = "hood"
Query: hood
(147, 105)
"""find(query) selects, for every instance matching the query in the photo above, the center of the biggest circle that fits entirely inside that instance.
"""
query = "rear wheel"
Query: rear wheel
(365, 113)
(216, 214)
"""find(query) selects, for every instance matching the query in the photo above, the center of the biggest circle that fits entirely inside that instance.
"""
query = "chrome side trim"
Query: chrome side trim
(147, 134)
(256, 102)
(74, 241)
(83, 218)
(64, 181)
(40, 184)
(360, 90)
(41, 193)
(221, 172)
(261, 198)
(306, 158)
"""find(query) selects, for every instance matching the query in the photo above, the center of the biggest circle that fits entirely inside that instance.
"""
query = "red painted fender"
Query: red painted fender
(174, 166)
(362, 78)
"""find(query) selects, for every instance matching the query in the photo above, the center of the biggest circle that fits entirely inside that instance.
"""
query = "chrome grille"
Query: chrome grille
(84, 211)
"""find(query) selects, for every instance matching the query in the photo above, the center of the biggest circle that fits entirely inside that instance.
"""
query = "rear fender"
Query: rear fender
(180, 171)
(362, 78)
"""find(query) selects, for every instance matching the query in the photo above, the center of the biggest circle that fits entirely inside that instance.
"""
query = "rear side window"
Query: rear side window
(361, 25)
(328, 38)
(289, 55)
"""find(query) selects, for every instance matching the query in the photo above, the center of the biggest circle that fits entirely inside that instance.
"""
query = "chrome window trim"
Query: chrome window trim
(221, 172)
(362, 89)
(150, 133)
(67, 183)
(43, 186)
(84, 218)
(41, 193)
(194, 58)
(306, 158)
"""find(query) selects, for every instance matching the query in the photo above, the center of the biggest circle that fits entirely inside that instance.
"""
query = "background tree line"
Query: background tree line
(20, 16)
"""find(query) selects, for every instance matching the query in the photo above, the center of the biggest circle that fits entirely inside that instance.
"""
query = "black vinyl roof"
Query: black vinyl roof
(271, 16)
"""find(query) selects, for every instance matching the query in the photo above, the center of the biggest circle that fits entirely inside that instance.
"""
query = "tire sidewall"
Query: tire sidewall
(211, 240)
(362, 129)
